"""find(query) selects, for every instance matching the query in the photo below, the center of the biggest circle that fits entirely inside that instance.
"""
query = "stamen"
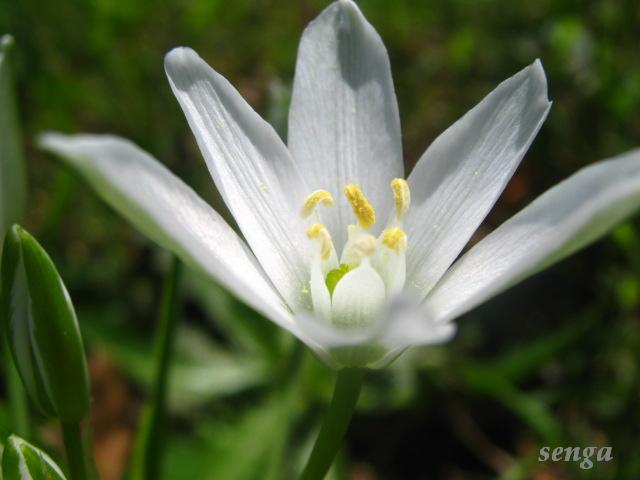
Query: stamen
(362, 209)
(317, 231)
(402, 197)
(312, 201)
(365, 245)
(395, 239)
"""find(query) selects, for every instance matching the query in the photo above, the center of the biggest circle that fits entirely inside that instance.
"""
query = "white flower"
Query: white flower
(340, 250)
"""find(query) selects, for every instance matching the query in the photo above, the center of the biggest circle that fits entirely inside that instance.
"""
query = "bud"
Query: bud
(42, 329)
(23, 461)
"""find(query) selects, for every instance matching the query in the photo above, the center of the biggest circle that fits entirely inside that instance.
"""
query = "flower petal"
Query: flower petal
(461, 175)
(564, 219)
(169, 212)
(410, 324)
(251, 167)
(343, 123)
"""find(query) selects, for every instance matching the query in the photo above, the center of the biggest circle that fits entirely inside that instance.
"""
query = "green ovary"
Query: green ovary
(335, 275)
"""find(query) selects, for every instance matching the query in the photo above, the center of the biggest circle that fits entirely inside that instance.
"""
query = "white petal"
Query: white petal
(562, 220)
(164, 208)
(343, 123)
(358, 297)
(327, 337)
(320, 295)
(461, 175)
(251, 167)
(410, 324)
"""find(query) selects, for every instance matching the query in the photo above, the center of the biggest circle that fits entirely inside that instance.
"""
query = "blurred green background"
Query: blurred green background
(552, 362)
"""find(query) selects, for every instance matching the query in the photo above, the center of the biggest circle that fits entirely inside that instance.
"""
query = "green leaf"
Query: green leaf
(23, 461)
(12, 171)
(45, 342)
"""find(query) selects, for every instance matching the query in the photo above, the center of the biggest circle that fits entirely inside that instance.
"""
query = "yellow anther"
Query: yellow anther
(317, 231)
(362, 209)
(312, 201)
(402, 196)
(365, 245)
(395, 239)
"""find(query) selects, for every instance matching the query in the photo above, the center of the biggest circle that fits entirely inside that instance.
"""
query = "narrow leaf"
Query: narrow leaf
(23, 461)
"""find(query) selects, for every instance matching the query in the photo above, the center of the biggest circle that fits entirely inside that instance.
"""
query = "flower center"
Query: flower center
(349, 290)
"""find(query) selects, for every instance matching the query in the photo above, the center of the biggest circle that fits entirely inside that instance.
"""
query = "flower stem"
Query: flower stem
(329, 441)
(78, 454)
(150, 442)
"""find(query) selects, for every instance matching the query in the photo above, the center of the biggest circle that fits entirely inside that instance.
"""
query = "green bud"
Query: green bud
(42, 329)
(23, 461)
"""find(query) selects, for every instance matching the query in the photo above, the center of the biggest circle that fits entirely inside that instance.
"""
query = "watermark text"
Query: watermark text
(586, 456)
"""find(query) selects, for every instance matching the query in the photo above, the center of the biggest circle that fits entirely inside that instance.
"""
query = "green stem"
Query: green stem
(77, 457)
(329, 441)
(150, 443)
(17, 396)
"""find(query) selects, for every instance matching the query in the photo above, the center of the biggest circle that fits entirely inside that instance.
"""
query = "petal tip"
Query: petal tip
(540, 77)
(337, 9)
(347, 4)
(48, 140)
(178, 56)
(349, 7)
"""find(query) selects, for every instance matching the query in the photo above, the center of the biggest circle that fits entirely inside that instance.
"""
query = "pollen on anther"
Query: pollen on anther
(401, 196)
(317, 231)
(362, 209)
(395, 239)
(312, 201)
